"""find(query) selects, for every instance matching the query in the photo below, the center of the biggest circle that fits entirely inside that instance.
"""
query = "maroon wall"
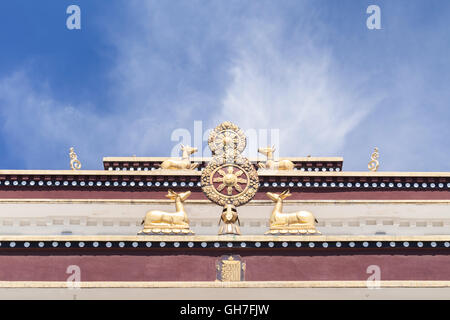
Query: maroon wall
(159, 193)
(199, 265)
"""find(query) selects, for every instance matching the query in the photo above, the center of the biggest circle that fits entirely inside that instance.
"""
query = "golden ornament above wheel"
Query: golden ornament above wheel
(227, 138)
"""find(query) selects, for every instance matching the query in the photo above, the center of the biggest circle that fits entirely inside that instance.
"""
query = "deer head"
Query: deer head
(278, 197)
(188, 149)
(172, 195)
(267, 151)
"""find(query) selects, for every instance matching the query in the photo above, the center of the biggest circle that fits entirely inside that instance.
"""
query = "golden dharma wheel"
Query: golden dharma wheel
(230, 183)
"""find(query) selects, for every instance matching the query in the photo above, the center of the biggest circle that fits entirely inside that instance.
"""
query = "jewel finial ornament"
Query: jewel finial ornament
(75, 164)
(374, 164)
(229, 179)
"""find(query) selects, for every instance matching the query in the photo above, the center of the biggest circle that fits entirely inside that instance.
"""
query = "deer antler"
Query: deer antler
(285, 194)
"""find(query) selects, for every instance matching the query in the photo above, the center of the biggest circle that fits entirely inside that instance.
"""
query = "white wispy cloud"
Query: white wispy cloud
(294, 87)
(261, 64)
(40, 129)
(219, 66)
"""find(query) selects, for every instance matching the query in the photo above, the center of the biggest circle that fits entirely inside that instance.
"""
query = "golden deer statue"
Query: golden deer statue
(270, 164)
(295, 222)
(181, 164)
(156, 221)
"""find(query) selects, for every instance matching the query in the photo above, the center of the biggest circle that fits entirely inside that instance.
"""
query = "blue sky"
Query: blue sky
(138, 70)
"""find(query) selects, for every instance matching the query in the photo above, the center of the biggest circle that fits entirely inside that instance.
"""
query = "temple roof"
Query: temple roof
(149, 163)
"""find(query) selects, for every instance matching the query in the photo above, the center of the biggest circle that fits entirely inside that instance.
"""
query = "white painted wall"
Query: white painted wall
(123, 217)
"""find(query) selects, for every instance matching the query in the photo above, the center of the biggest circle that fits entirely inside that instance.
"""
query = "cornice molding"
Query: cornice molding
(220, 284)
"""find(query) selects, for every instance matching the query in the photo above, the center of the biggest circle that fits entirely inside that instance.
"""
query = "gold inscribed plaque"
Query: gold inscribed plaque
(230, 268)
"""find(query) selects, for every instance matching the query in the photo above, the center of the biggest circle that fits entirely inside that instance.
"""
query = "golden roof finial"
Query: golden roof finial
(75, 164)
(374, 164)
